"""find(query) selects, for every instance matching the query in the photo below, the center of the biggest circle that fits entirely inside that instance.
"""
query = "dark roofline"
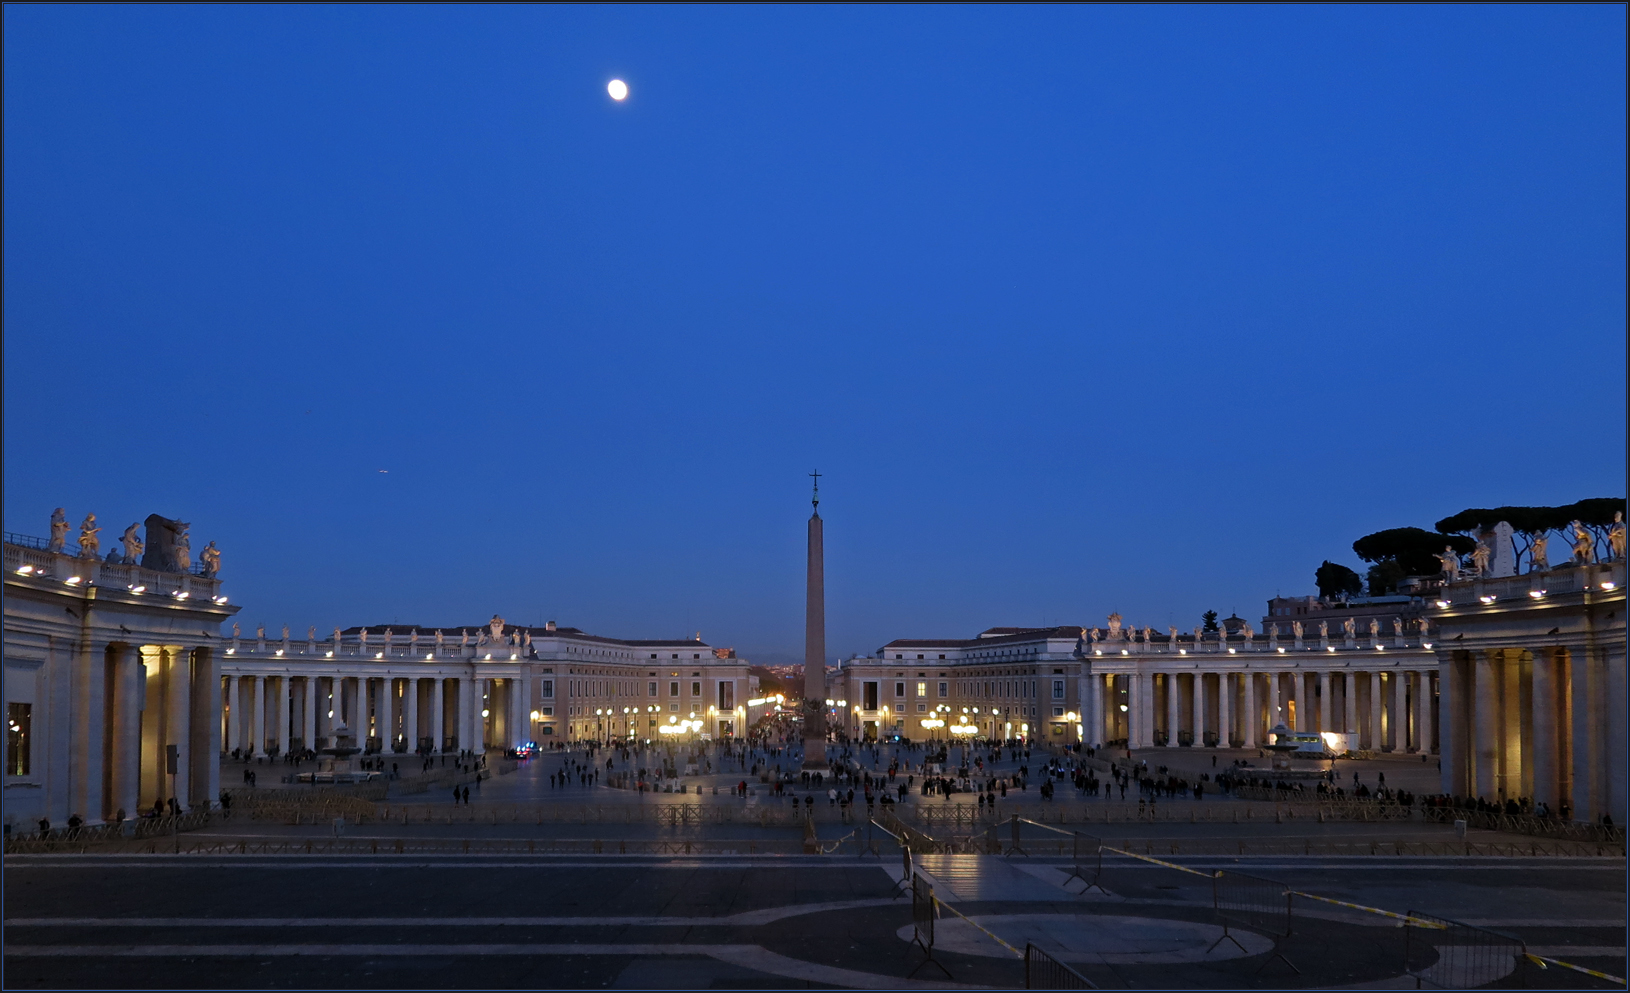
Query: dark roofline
(404, 631)
(1065, 631)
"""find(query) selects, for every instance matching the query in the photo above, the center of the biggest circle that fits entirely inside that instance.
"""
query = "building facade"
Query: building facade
(1095, 686)
(1535, 695)
(439, 690)
(110, 676)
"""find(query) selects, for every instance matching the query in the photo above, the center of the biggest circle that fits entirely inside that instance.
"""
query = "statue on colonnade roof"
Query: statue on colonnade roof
(134, 546)
(211, 557)
(90, 546)
(1451, 563)
(496, 625)
(1115, 627)
(59, 530)
(1584, 543)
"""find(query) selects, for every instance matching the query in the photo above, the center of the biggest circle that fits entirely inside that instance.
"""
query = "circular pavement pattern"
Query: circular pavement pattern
(1095, 938)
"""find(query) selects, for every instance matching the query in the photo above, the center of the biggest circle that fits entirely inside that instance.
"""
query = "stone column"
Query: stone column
(1146, 709)
(1377, 695)
(1092, 712)
(1225, 711)
(469, 705)
(1452, 718)
(177, 721)
(1487, 723)
(1546, 724)
(1271, 698)
(1426, 712)
(285, 690)
(387, 716)
(410, 714)
(1400, 711)
(1172, 716)
(438, 734)
(520, 729)
(313, 705)
(88, 725)
(1588, 734)
(364, 705)
(1349, 707)
(1324, 700)
(1293, 693)
(203, 729)
(129, 693)
(1249, 720)
(258, 715)
(1511, 738)
(234, 713)
(1197, 706)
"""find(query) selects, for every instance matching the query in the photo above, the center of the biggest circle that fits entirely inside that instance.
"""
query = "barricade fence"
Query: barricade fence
(1545, 827)
(924, 912)
(1451, 955)
(1043, 972)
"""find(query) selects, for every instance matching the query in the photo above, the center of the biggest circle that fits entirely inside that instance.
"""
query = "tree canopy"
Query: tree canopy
(1210, 620)
(1413, 548)
(1337, 580)
(1596, 512)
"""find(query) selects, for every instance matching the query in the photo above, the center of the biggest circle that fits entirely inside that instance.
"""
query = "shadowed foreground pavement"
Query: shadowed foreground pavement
(745, 922)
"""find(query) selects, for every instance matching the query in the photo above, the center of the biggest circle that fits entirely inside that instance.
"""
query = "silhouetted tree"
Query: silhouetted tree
(1412, 548)
(1337, 581)
(1210, 619)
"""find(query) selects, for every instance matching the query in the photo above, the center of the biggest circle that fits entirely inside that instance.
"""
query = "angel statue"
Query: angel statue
(1480, 557)
(1539, 558)
(1584, 544)
(59, 530)
(1451, 563)
(134, 546)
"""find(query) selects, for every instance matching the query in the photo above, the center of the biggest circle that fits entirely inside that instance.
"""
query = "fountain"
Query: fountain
(334, 763)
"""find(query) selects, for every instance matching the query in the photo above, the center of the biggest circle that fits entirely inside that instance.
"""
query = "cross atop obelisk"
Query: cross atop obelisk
(815, 641)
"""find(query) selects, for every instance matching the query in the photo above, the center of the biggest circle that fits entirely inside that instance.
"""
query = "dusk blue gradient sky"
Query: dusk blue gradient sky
(1076, 310)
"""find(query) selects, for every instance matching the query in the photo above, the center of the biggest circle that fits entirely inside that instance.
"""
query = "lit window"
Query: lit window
(19, 736)
(922, 689)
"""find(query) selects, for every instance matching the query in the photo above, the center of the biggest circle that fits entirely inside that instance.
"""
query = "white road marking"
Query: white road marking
(750, 918)
(747, 956)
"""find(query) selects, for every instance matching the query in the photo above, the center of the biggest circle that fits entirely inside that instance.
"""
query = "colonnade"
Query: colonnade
(277, 713)
(1545, 723)
(1391, 709)
(148, 699)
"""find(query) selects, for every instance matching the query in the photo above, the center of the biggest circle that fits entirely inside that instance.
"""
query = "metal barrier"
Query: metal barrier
(1254, 903)
(903, 885)
(1087, 855)
(1018, 847)
(924, 908)
(1043, 972)
(1451, 955)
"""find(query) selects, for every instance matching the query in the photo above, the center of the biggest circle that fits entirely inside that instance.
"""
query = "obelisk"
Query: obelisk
(815, 641)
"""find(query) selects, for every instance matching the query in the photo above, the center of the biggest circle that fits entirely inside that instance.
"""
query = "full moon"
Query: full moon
(618, 89)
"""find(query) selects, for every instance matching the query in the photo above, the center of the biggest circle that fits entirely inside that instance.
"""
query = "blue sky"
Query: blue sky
(1076, 310)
